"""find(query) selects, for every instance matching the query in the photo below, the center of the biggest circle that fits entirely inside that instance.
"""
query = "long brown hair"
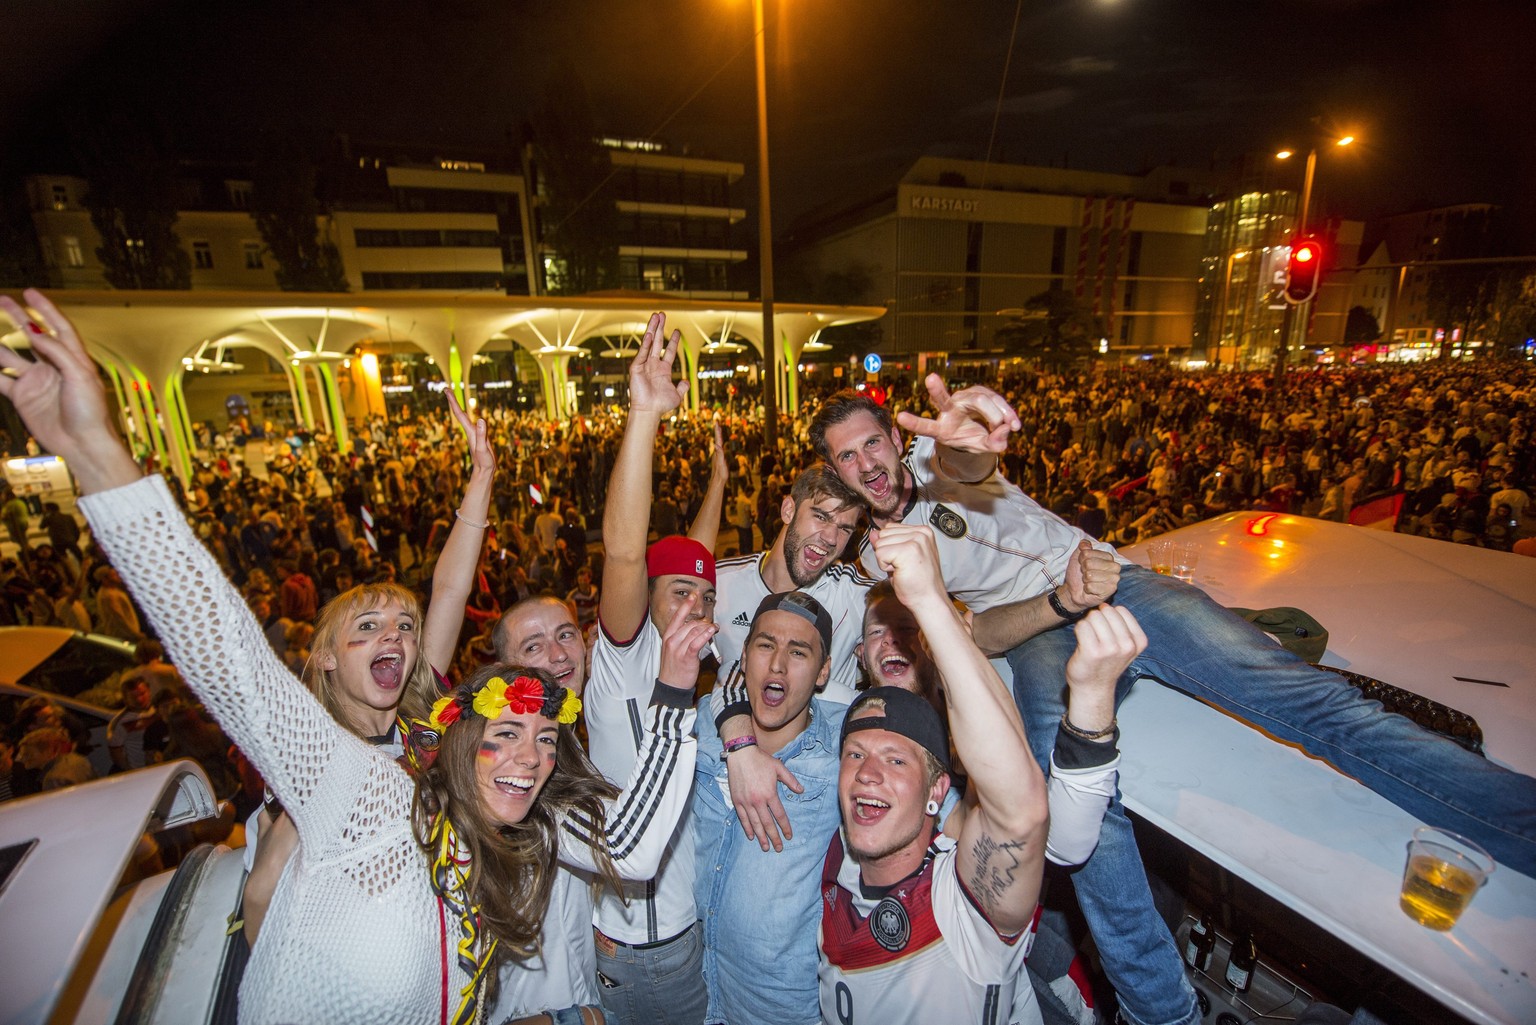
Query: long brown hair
(420, 690)
(511, 868)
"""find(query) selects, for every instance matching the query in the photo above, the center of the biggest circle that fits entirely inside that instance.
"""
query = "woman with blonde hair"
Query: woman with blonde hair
(387, 913)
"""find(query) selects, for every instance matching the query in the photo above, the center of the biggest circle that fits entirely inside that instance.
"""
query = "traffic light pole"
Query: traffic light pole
(1283, 347)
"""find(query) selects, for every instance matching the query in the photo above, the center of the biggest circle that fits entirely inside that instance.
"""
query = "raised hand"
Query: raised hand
(651, 388)
(1093, 576)
(718, 467)
(974, 419)
(482, 457)
(681, 645)
(59, 396)
(1108, 640)
(907, 553)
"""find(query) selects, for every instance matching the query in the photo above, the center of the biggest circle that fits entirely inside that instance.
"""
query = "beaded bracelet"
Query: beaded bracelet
(468, 522)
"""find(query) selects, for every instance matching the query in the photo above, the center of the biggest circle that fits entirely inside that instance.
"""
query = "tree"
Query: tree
(580, 221)
(287, 209)
(1512, 314)
(1459, 297)
(1360, 327)
(1057, 331)
(133, 197)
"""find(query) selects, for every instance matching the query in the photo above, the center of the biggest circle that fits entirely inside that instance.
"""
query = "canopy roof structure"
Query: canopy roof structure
(148, 340)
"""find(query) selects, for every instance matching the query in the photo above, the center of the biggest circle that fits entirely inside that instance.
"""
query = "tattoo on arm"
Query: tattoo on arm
(996, 866)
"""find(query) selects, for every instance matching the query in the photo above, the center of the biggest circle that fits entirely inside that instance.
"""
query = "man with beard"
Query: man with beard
(819, 516)
(922, 926)
(1007, 558)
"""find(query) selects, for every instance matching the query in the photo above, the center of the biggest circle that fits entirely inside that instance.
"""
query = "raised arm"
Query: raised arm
(627, 515)
(706, 522)
(971, 428)
(1001, 849)
(642, 819)
(207, 629)
(1092, 578)
(1084, 763)
(454, 576)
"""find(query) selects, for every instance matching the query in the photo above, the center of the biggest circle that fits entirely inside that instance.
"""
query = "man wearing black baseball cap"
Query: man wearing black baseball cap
(919, 926)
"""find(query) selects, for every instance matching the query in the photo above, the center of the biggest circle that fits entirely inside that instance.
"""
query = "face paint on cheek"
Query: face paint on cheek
(489, 751)
(358, 643)
(549, 758)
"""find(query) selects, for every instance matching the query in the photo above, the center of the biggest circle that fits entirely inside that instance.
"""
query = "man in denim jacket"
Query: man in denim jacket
(759, 907)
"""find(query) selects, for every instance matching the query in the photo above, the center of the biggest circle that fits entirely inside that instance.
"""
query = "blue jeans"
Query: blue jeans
(662, 984)
(1196, 646)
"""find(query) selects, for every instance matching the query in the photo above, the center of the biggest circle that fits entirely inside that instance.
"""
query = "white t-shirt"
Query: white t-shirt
(739, 587)
(923, 953)
(618, 690)
(996, 544)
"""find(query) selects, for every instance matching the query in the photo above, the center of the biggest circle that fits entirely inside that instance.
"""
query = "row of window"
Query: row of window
(202, 255)
(468, 281)
(425, 238)
(647, 230)
(673, 275)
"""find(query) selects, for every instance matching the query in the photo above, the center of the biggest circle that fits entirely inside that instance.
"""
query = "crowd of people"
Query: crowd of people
(830, 750)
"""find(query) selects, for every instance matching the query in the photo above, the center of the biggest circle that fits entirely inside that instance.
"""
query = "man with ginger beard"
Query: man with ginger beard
(819, 517)
(922, 926)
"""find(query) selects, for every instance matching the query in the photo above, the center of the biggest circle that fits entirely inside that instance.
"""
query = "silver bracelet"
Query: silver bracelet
(468, 522)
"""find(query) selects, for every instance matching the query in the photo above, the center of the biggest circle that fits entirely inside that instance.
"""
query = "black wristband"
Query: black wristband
(730, 711)
(1073, 752)
(671, 697)
(1061, 610)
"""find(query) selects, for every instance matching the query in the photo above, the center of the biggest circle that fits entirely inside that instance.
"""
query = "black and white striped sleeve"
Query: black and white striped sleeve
(641, 820)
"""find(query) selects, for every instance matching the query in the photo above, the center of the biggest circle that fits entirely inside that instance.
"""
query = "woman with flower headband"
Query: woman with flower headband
(362, 925)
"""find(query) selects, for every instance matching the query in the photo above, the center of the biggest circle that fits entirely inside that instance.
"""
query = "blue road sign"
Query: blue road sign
(872, 363)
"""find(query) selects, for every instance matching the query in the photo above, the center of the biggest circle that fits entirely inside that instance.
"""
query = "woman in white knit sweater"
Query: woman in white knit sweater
(364, 926)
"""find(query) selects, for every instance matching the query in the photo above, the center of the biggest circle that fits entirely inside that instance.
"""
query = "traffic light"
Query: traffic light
(1304, 270)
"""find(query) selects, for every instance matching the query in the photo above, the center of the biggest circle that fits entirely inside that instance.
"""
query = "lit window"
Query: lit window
(202, 256)
(252, 255)
(61, 197)
(74, 256)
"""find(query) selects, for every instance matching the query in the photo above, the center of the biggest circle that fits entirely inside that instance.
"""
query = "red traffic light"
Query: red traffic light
(1303, 271)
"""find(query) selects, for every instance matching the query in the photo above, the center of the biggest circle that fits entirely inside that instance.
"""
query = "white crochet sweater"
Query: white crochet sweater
(353, 931)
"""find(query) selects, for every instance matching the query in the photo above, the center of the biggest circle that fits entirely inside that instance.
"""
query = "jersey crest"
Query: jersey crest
(947, 522)
(901, 924)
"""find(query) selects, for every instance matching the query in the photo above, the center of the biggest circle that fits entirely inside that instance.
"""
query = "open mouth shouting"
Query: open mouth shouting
(878, 485)
(896, 668)
(774, 694)
(869, 810)
(388, 670)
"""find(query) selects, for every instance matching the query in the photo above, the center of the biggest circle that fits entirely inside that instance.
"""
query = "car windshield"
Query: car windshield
(76, 667)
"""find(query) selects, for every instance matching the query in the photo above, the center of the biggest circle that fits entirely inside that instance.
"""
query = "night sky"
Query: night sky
(1442, 94)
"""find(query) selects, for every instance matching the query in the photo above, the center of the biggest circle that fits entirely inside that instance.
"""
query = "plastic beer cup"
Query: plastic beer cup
(1443, 874)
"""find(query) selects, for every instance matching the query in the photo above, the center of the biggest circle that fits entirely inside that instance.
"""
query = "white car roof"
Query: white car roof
(76, 843)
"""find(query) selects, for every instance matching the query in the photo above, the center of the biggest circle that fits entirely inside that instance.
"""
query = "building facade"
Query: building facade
(958, 248)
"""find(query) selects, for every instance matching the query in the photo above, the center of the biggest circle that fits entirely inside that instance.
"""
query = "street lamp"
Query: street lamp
(765, 243)
(1301, 230)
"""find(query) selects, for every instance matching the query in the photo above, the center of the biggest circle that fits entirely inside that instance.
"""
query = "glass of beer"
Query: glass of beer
(1444, 872)
(1160, 556)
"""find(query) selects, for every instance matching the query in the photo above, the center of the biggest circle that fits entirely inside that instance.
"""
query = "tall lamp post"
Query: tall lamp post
(765, 243)
(1287, 322)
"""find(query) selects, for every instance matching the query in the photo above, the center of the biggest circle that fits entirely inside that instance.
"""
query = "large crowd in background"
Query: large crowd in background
(1124, 453)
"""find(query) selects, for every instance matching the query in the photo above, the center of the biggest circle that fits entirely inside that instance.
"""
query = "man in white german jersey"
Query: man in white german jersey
(918, 926)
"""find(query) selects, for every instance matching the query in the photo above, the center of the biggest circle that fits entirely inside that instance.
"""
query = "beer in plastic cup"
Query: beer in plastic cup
(1160, 556)
(1443, 874)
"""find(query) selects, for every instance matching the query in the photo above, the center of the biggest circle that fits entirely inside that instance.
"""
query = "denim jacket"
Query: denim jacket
(761, 911)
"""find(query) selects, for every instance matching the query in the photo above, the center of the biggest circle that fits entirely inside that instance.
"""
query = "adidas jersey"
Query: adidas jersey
(618, 692)
(924, 952)
(996, 544)
(739, 587)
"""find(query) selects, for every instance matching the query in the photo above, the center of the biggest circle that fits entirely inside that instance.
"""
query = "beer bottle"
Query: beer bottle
(1240, 965)
(1202, 940)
